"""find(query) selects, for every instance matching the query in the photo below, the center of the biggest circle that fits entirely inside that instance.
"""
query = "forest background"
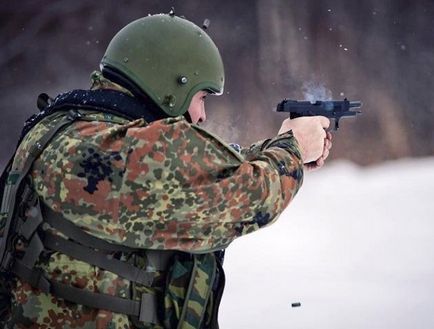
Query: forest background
(377, 51)
(355, 247)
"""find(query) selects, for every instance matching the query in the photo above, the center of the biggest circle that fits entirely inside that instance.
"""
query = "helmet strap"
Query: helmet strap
(187, 117)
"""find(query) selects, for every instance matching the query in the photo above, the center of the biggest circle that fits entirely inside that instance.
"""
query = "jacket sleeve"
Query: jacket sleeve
(253, 150)
(202, 194)
(164, 185)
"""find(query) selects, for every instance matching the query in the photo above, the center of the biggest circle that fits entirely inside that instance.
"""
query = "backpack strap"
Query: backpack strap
(4, 177)
(81, 246)
(14, 183)
(188, 291)
(199, 291)
(107, 101)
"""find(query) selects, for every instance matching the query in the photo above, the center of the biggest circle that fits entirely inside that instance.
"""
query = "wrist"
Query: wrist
(286, 141)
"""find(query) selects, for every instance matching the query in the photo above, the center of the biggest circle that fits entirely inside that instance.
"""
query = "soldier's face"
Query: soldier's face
(197, 107)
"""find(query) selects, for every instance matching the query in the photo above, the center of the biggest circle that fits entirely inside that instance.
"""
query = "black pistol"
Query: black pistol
(330, 109)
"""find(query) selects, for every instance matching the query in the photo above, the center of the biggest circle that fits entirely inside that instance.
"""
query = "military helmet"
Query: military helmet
(168, 58)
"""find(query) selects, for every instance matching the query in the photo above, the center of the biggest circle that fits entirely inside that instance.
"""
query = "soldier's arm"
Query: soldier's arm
(207, 194)
(253, 150)
(167, 185)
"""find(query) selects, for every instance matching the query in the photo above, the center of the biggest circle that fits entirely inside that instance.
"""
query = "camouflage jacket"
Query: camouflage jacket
(167, 185)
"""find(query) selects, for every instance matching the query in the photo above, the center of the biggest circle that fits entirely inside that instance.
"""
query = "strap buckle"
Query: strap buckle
(39, 280)
(34, 276)
(148, 309)
(36, 149)
(73, 115)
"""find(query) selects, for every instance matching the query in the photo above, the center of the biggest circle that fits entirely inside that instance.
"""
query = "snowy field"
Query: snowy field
(355, 248)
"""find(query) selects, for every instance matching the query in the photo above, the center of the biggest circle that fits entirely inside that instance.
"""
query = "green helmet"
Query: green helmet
(168, 58)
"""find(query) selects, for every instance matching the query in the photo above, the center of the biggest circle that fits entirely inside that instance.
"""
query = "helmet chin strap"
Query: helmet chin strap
(188, 117)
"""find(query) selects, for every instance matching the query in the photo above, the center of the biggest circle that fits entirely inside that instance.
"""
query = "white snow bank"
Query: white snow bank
(355, 248)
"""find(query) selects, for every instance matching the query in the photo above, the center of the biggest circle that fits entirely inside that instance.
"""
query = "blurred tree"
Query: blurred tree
(376, 51)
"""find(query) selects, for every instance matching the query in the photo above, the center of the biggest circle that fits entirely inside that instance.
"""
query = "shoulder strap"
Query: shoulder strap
(4, 177)
(145, 309)
(102, 100)
(15, 178)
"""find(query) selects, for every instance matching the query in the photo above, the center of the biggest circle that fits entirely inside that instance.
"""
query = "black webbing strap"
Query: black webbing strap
(4, 176)
(143, 309)
(33, 250)
(146, 309)
(99, 259)
(60, 223)
(32, 222)
(15, 178)
(157, 259)
(95, 300)
(34, 276)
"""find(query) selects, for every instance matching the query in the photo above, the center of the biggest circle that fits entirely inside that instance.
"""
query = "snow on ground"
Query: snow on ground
(355, 248)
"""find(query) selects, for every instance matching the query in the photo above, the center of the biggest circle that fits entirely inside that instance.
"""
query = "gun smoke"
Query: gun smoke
(316, 91)
(270, 48)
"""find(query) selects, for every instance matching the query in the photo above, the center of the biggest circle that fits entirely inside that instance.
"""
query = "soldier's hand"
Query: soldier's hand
(311, 137)
(320, 162)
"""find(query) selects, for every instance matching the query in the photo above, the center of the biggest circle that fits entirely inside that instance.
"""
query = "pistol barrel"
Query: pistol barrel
(355, 104)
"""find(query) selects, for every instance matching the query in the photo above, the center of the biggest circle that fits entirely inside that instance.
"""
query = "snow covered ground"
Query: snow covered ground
(355, 248)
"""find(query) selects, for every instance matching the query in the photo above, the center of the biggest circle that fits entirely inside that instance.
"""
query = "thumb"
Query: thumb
(324, 121)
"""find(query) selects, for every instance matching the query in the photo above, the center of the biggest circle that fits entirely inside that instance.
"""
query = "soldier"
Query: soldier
(117, 204)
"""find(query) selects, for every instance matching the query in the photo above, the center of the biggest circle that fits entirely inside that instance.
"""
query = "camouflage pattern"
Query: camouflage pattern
(32, 308)
(188, 289)
(167, 185)
(99, 82)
